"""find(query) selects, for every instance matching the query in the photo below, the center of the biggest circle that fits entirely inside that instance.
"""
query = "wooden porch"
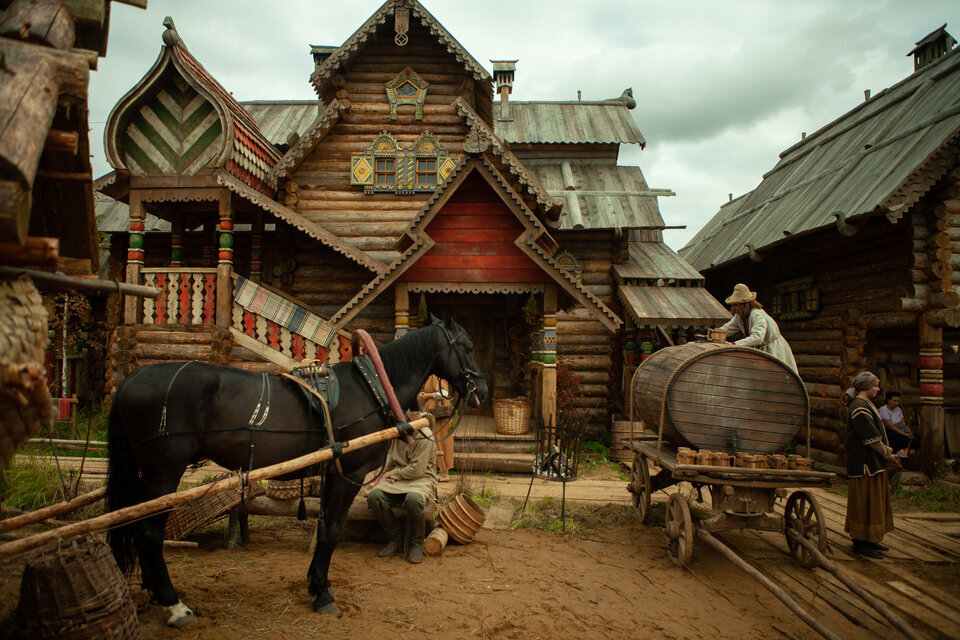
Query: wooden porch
(478, 447)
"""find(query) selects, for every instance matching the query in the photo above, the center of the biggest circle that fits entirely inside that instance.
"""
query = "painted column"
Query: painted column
(401, 303)
(131, 306)
(548, 357)
(176, 242)
(225, 261)
(256, 248)
(931, 398)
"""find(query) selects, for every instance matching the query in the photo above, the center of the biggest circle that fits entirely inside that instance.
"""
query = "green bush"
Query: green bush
(31, 485)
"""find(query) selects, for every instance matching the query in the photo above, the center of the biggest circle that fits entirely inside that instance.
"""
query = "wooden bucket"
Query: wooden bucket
(721, 397)
(462, 518)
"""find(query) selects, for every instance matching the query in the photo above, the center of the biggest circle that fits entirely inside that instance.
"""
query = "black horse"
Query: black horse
(167, 415)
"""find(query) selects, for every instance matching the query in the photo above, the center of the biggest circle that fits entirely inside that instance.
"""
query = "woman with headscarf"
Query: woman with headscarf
(869, 515)
(758, 329)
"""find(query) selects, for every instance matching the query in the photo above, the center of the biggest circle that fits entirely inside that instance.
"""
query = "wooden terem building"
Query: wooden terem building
(853, 242)
(404, 189)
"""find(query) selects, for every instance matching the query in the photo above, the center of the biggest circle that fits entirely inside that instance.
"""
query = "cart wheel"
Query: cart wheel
(679, 529)
(804, 517)
(640, 487)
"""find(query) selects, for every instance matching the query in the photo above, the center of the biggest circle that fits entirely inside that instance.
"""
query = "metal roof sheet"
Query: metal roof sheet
(672, 305)
(609, 196)
(113, 216)
(279, 118)
(569, 122)
(655, 260)
(857, 164)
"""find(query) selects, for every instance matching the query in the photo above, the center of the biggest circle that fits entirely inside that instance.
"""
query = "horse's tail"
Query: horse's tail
(123, 487)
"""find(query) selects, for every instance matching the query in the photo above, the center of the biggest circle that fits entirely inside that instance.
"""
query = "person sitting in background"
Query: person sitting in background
(899, 434)
(410, 479)
(758, 329)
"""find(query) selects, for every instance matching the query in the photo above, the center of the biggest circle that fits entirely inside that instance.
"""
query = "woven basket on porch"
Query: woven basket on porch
(511, 415)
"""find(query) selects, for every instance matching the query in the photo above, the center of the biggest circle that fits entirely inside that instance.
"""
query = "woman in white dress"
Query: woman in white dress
(756, 327)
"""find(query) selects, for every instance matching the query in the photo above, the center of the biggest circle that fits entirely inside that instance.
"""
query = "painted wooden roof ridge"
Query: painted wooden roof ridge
(535, 242)
(175, 132)
(312, 136)
(877, 159)
(324, 73)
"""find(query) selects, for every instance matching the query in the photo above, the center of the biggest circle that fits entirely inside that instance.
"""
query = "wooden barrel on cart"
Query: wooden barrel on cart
(721, 397)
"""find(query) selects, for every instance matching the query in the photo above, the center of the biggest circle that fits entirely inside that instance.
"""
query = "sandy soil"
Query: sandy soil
(614, 580)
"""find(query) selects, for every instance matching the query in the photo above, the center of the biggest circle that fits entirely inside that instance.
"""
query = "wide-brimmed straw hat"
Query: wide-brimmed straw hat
(741, 293)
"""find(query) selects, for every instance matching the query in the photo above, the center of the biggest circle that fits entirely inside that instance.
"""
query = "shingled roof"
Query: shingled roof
(877, 159)
(570, 122)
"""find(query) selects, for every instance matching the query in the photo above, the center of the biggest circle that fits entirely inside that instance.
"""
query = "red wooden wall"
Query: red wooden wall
(474, 233)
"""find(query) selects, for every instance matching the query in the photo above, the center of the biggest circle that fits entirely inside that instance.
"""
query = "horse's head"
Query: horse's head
(458, 363)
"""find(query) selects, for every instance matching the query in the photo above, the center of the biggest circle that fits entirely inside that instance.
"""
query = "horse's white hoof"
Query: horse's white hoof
(180, 616)
(330, 609)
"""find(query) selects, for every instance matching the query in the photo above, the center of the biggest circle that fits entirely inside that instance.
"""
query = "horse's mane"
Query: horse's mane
(410, 352)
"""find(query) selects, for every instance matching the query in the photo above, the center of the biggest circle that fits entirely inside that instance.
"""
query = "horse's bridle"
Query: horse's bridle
(468, 375)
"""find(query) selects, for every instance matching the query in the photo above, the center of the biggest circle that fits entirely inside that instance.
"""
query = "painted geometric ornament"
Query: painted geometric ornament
(407, 88)
(386, 168)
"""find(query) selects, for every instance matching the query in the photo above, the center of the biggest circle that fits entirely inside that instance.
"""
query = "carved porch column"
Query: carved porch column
(225, 261)
(401, 300)
(131, 306)
(548, 357)
(931, 397)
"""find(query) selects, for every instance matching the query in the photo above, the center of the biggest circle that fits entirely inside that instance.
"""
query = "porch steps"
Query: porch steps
(479, 448)
(495, 462)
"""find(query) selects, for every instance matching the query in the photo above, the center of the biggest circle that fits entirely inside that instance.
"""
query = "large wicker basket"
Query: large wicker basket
(511, 415)
(73, 591)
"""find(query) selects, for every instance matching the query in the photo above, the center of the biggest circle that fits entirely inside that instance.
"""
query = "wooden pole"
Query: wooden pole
(150, 507)
(46, 281)
(765, 581)
(865, 595)
(53, 510)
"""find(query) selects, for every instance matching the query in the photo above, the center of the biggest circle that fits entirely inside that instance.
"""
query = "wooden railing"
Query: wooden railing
(277, 343)
(189, 296)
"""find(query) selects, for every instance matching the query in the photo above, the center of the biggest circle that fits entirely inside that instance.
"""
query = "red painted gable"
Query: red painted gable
(474, 232)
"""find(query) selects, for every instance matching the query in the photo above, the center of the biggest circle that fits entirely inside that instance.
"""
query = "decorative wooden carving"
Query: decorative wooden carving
(386, 168)
(401, 24)
(407, 88)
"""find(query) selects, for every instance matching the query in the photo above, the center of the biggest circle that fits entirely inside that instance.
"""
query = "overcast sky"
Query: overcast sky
(722, 87)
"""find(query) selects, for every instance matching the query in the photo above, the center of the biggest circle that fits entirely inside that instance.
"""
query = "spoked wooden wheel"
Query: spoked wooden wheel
(805, 519)
(640, 487)
(678, 526)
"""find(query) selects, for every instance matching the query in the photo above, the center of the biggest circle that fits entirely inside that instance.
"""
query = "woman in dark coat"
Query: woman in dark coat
(869, 515)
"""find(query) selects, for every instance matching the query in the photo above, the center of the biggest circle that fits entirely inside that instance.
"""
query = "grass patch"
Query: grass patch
(31, 485)
(486, 498)
(929, 498)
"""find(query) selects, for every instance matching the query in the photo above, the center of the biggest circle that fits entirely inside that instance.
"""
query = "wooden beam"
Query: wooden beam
(58, 282)
(34, 252)
(71, 71)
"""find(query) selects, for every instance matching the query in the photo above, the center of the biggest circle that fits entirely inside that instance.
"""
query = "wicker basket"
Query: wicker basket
(511, 415)
(189, 517)
(74, 590)
(287, 489)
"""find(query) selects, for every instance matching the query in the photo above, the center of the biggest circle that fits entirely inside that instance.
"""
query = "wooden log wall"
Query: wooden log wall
(583, 343)
(862, 282)
(322, 182)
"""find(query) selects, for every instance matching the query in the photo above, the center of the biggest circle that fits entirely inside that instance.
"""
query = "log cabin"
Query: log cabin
(413, 185)
(852, 241)
(48, 233)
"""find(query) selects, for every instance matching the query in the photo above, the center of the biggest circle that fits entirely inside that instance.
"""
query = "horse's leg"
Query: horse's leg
(338, 495)
(238, 531)
(148, 541)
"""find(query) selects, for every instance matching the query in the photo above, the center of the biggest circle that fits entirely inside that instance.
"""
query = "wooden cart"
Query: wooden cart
(742, 499)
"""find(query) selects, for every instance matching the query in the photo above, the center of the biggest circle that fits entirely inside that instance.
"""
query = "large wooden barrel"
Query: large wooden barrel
(721, 397)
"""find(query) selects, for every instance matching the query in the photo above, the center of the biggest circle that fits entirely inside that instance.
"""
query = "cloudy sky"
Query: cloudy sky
(722, 86)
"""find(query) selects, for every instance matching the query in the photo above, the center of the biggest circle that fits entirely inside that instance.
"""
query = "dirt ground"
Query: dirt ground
(611, 579)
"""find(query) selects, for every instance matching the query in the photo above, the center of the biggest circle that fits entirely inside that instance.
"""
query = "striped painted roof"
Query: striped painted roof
(178, 120)
(878, 158)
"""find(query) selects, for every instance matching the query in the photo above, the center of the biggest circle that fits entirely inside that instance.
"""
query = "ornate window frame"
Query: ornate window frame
(407, 88)
(409, 173)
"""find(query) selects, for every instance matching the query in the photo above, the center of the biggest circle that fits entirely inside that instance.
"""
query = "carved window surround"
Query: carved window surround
(796, 299)
(386, 168)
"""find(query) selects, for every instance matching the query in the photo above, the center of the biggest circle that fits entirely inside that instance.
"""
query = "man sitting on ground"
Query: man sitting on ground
(899, 434)
(409, 479)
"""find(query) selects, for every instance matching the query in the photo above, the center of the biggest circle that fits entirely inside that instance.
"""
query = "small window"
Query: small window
(796, 299)
(426, 172)
(385, 172)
